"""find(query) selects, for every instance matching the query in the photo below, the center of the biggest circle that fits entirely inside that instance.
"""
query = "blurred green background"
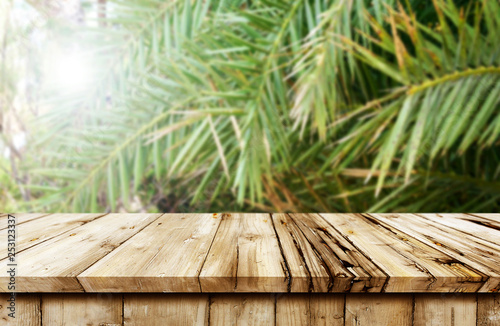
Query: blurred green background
(249, 105)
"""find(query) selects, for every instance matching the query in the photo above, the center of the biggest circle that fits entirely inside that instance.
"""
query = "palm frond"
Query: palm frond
(445, 87)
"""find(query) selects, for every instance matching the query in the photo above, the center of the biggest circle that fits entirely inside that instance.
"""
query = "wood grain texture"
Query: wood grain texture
(76, 309)
(465, 251)
(412, 266)
(488, 309)
(488, 218)
(266, 253)
(310, 309)
(378, 309)
(374, 309)
(347, 268)
(167, 256)
(27, 310)
(445, 309)
(242, 309)
(245, 257)
(293, 310)
(327, 309)
(483, 232)
(20, 218)
(39, 230)
(165, 309)
(306, 272)
(52, 266)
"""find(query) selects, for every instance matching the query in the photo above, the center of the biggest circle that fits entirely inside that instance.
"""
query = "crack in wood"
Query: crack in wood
(451, 263)
(288, 274)
(367, 256)
(323, 262)
(237, 263)
(302, 256)
(485, 224)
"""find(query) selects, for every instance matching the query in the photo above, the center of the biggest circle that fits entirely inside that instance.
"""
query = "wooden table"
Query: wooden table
(336, 269)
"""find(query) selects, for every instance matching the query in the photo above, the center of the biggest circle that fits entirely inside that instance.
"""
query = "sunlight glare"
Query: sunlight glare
(71, 72)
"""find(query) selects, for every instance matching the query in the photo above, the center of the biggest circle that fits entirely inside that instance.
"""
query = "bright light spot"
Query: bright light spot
(18, 141)
(71, 72)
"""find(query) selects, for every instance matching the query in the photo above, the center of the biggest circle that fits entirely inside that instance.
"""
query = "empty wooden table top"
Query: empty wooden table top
(268, 253)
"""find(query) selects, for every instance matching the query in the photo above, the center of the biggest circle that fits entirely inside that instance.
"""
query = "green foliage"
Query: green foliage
(277, 106)
(8, 189)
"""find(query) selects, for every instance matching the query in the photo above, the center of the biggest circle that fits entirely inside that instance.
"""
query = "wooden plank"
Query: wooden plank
(347, 267)
(167, 256)
(327, 309)
(27, 310)
(165, 309)
(221, 266)
(242, 309)
(245, 257)
(445, 309)
(490, 218)
(52, 266)
(308, 273)
(488, 309)
(293, 310)
(486, 219)
(39, 230)
(82, 309)
(20, 218)
(482, 232)
(310, 309)
(379, 309)
(470, 252)
(412, 265)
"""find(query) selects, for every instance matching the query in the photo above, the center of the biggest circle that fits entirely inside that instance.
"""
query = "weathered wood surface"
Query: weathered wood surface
(74, 309)
(242, 309)
(381, 309)
(165, 257)
(26, 309)
(463, 249)
(158, 309)
(245, 257)
(411, 265)
(488, 309)
(347, 268)
(53, 265)
(266, 253)
(20, 218)
(444, 309)
(36, 231)
(310, 309)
